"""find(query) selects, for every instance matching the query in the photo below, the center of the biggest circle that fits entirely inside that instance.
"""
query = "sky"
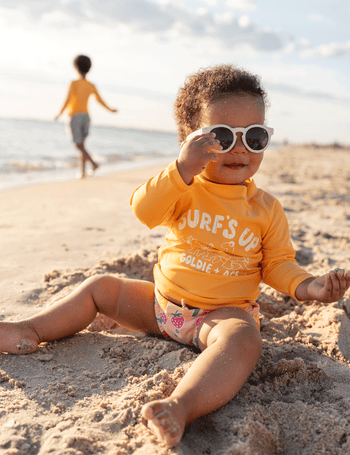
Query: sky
(142, 51)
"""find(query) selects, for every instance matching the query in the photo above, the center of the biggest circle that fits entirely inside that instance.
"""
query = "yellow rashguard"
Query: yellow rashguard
(222, 240)
(78, 94)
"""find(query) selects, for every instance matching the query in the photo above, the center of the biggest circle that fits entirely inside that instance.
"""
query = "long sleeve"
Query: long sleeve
(154, 202)
(279, 268)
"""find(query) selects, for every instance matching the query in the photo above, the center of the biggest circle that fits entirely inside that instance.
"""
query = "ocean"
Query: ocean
(37, 151)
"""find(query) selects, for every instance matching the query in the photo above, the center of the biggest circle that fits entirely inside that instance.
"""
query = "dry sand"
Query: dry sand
(83, 394)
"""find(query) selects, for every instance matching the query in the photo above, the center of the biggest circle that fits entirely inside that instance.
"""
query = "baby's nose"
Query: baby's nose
(239, 147)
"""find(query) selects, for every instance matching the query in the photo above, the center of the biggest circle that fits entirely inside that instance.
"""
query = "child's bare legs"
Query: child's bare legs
(85, 157)
(229, 339)
(129, 302)
(231, 345)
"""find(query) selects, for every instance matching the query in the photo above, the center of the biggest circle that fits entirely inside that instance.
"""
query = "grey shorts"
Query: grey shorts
(79, 125)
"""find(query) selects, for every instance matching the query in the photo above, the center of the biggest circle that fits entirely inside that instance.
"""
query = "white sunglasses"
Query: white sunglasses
(256, 138)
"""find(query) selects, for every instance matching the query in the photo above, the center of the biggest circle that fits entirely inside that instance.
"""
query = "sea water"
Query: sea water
(35, 151)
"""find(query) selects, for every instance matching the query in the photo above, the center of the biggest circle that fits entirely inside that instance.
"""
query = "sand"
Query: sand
(83, 394)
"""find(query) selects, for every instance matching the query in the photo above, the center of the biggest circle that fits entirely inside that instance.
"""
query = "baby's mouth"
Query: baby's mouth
(235, 165)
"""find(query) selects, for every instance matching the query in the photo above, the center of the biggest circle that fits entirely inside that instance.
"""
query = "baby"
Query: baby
(225, 237)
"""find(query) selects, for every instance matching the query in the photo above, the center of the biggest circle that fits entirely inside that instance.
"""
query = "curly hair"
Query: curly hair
(210, 85)
(82, 63)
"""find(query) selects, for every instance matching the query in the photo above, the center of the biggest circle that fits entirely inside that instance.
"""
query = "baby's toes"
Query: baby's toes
(167, 429)
(163, 422)
(172, 436)
(150, 410)
(166, 422)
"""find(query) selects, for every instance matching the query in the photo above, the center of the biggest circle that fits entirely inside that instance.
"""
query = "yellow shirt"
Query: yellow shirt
(78, 93)
(222, 240)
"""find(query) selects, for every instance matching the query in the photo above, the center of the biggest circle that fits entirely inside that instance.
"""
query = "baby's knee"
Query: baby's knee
(101, 281)
(252, 341)
(103, 286)
(255, 341)
(251, 331)
(249, 336)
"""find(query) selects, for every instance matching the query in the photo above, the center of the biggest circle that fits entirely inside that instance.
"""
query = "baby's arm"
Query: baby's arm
(281, 271)
(155, 202)
(100, 100)
(326, 288)
(195, 154)
(65, 104)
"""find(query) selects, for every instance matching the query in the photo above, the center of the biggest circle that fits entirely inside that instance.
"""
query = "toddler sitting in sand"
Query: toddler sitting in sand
(225, 236)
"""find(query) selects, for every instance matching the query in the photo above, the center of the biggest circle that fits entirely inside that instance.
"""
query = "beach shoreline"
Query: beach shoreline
(25, 178)
(47, 154)
(83, 394)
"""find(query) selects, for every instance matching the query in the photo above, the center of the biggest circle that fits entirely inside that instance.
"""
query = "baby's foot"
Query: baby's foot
(166, 418)
(17, 338)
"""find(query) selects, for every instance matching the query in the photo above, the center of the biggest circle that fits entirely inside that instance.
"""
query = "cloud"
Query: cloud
(311, 94)
(165, 20)
(327, 50)
(159, 19)
(141, 15)
(241, 4)
(315, 17)
(33, 8)
(305, 50)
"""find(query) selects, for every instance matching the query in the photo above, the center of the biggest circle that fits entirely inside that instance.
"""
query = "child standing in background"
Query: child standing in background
(77, 103)
(225, 237)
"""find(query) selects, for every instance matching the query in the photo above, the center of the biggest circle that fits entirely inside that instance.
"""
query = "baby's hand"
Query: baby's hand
(195, 154)
(330, 287)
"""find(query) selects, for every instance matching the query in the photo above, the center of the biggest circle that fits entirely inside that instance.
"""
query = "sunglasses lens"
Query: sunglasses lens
(257, 138)
(224, 136)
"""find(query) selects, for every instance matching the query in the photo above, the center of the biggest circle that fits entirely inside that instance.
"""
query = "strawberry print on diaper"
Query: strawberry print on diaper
(177, 319)
(180, 324)
(161, 318)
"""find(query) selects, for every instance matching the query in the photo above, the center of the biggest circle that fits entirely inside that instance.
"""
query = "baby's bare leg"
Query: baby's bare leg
(129, 302)
(231, 345)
